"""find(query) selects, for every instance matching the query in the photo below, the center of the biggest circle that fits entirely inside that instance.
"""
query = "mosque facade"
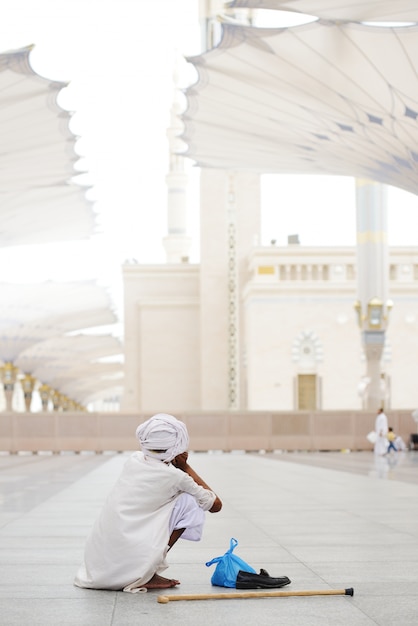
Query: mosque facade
(261, 328)
(272, 328)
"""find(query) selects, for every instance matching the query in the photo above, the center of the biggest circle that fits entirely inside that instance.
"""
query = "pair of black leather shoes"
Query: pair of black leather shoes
(247, 580)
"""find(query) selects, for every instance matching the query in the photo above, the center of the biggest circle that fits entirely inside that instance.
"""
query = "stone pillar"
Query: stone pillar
(8, 375)
(234, 348)
(72, 405)
(56, 398)
(64, 402)
(45, 394)
(28, 385)
(372, 305)
(209, 25)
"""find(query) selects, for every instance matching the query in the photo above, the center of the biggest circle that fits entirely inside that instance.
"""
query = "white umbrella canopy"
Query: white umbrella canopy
(69, 353)
(44, 215)
(86, 390)
(60, 375)
(322, 98)
(39, 301)
(17, 338)
(39, 201)
(113, 391)
(33, 313)
(76, 376)
(351, 10)
(101, 371)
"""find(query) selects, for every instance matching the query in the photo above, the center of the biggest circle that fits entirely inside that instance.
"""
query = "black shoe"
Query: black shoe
(246, 580)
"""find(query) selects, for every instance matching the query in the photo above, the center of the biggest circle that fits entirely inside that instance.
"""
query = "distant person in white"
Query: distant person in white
(157, 499)
(381, 429)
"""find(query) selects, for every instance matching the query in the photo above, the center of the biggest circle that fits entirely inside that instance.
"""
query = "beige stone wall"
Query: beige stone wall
(177, 326)
(274, 323)
(226, 431)
(297, 291)
(162, 345)
(402, 341)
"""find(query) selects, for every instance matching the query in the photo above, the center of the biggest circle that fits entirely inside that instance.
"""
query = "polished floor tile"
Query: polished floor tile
(326, 520)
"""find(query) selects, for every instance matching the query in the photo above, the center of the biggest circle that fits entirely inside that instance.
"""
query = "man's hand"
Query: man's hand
(180, 461)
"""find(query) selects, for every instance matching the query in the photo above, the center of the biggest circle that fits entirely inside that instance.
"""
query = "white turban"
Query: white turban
(164, 433)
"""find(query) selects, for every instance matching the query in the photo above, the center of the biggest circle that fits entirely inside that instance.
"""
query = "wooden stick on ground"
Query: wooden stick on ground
(255, 594)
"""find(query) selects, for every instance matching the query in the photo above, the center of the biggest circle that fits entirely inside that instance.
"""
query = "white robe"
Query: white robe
(381, 428)
(129, 541)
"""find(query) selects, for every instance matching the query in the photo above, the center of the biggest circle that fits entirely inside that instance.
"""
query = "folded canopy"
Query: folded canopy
(326, 97)
(351, 10)
(39, 198)
(38, 335)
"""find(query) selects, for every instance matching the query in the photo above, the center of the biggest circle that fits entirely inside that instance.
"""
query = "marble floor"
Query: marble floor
(325, 520)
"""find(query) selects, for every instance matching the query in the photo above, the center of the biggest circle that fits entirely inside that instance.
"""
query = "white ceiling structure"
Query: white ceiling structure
(33, 313)
(69, 350)
(352, 10)
(40, 201)
(89, 389)
(82, 383)
(39, 198)
(65, 362)
(35, 325)
(334, 96)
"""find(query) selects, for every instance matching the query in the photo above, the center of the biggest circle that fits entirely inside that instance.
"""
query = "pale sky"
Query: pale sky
(118, 56)
(321, 210)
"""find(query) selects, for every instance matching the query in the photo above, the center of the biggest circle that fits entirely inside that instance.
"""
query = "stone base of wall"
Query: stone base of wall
(226, 431)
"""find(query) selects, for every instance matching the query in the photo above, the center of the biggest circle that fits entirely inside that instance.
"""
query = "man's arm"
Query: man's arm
(180, 461)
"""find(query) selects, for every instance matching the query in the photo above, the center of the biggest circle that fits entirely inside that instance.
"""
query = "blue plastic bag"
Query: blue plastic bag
(228, 566)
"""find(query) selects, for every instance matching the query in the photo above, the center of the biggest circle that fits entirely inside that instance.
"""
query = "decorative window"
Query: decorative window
(307, 349)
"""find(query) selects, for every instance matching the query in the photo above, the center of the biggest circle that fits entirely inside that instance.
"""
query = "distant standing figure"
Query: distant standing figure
(381, 428)
(391, 438)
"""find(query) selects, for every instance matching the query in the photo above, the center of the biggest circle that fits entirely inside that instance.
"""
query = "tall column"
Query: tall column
(56, 398)
(28, 385)
(8, 375)
(210, 27)
(229, 224)
(373, 278)
(234, 348)
(45, 392)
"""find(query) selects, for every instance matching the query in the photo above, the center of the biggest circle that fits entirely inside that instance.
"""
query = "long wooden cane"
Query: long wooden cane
(256, 594)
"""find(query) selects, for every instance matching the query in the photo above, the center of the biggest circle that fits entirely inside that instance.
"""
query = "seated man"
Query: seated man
(157, 499)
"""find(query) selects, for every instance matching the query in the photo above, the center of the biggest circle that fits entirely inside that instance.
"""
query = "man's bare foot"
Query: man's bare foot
(159, 582)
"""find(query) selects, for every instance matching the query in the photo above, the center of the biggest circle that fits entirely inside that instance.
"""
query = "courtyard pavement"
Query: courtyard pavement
(325, 520)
